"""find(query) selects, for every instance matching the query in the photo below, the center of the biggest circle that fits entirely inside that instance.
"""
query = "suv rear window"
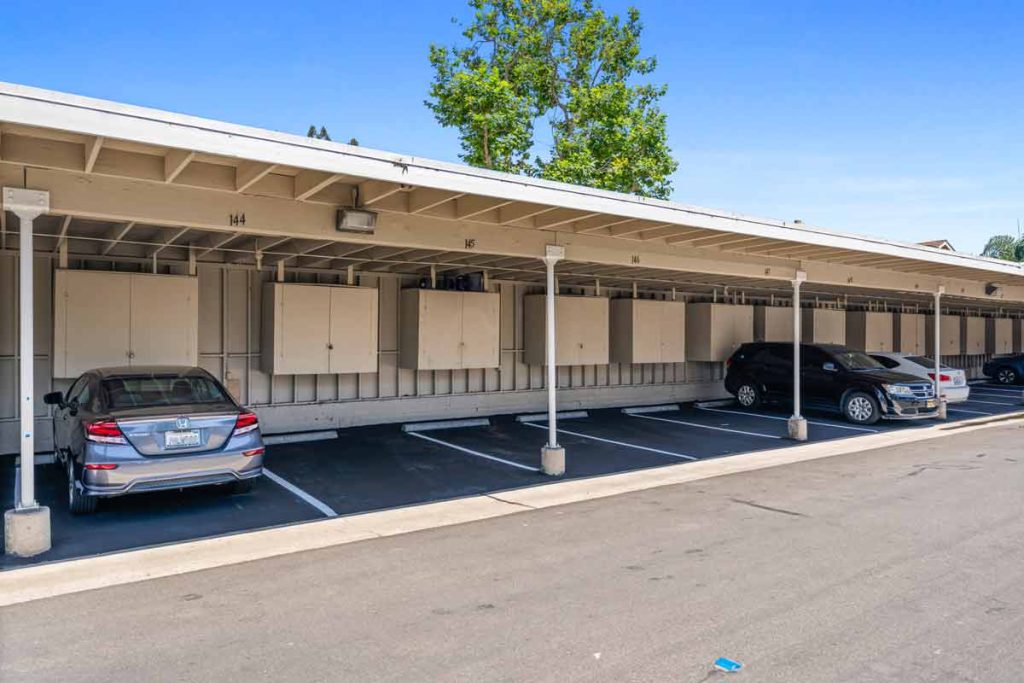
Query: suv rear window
(148, 391)
(857, 360)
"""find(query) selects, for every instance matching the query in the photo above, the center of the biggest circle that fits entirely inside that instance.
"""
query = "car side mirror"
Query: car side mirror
(54, 398)
(829, 367)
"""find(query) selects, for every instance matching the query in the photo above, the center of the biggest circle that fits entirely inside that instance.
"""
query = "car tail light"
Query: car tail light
(104, 431)
(728, 362)
(246, 422)
(254, 451)
(100, 466)
(942, 378)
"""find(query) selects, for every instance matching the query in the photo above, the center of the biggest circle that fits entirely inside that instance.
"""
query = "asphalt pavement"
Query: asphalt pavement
(890, 565)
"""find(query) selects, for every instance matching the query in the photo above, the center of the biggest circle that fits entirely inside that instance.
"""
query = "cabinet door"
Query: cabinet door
(568, 326)
(91, 321)
(353, 335)
(164, 320)
(440, 330)
(646, 330)
(591, 329)
(479, 336)
(304, 314)
(673, 331)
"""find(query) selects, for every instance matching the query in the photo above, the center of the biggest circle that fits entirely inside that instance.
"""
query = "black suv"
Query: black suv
(831, 377)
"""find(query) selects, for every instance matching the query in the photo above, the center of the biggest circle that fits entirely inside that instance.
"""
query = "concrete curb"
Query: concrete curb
(73, 576)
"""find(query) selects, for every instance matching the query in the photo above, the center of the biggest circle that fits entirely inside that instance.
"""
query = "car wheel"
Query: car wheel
(78, 502)
(748, 395)
(861, 408)
(241, 486)
(1006, 376)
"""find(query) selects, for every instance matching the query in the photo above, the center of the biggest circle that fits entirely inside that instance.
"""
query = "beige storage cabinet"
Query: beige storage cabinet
(449, 330)
(714, 331)
(823, 326)
(909, 333)
(111, 319)
(581, 330)
(773, 323)
(950, 335)
(869, 330)
(973, 335)
(999, 336)
(318, 329)
(647, 331)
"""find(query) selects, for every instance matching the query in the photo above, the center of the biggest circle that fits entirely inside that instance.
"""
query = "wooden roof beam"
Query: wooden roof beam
(175, 162)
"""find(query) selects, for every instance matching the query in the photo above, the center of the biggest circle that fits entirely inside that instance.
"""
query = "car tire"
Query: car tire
(748, 395)
(78, 502)
(861, 408)
(241, 486)
(1006, 375)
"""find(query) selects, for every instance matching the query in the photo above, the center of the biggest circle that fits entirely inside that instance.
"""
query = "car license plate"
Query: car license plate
(930, 403)
(959, 382)
(182, 439)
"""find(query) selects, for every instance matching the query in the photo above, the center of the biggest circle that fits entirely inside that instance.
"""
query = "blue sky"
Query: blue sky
(901, 119)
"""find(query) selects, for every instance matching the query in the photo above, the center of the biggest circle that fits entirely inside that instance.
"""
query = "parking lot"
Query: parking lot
(374, 468)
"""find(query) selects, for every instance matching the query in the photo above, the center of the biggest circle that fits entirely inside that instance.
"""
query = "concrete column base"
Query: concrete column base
(552, 461)
(797, 428)
(943, 409)
(27, 531)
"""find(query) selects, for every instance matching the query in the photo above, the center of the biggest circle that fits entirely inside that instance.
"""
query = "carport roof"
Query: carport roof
(61, 136)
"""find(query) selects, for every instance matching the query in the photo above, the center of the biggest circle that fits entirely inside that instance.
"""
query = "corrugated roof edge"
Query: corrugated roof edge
(29, 106)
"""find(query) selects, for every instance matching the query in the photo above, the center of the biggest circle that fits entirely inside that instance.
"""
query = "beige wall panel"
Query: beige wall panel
(236, 310)
(581, 331)
(92, 320)
(909, 333)
(480, 330)
(431, 320)
(164, 320)
(773, 323)
(211, 309)
(869, 330)
(353, 329)
(950, 342)
(672, 315)
(1018, 335)
(999, 336)
(714, 331)
(973, 335)
(823, 326)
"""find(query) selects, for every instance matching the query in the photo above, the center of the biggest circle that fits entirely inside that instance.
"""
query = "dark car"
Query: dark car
(129, 430)
(1005, 369)
(832, 377)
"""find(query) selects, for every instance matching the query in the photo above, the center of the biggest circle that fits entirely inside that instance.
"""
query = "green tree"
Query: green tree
(318, 134)
(566, 61)
(1004, 247)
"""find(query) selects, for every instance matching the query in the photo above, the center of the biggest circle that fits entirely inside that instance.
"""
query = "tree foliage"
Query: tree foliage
(566, 61)
(1005, 247)
(318, 134)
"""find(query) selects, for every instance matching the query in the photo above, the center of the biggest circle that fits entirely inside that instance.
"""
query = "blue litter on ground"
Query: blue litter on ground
(728, 665)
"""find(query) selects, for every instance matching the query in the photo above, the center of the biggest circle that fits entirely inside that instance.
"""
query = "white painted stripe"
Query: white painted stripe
(810, 422)
(996, 391)
(315, 502)
(618, 443)
(990, 403)
(445, 424)
(476, 453)
(301, 437)
(970, 412)
(641, 410)
(563, 415)
(717, 429)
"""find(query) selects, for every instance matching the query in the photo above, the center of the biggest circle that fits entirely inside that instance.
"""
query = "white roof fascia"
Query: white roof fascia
(87, 116)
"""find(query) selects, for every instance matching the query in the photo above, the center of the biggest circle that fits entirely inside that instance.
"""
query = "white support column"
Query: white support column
(797, 424)
(938, 355)
(27, 526)
(552, 456)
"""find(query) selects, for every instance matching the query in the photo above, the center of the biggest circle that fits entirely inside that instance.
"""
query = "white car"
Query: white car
(952, 382)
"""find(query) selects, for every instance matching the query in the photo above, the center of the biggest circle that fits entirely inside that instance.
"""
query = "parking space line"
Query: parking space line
(963, 410)
(617, 443)
(315, 502)
(478, 454)
(997, 392)
(991, 403)
(717, 429)
(993, 387)
(810, 422)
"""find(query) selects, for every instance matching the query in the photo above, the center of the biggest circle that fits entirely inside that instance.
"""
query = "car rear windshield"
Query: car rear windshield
(149, 391)
(857, 360)
(923, 361)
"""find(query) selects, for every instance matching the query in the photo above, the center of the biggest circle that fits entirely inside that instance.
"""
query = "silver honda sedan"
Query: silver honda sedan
(135, 429)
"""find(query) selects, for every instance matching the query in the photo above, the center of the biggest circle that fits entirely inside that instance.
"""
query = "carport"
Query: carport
(561, 294)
